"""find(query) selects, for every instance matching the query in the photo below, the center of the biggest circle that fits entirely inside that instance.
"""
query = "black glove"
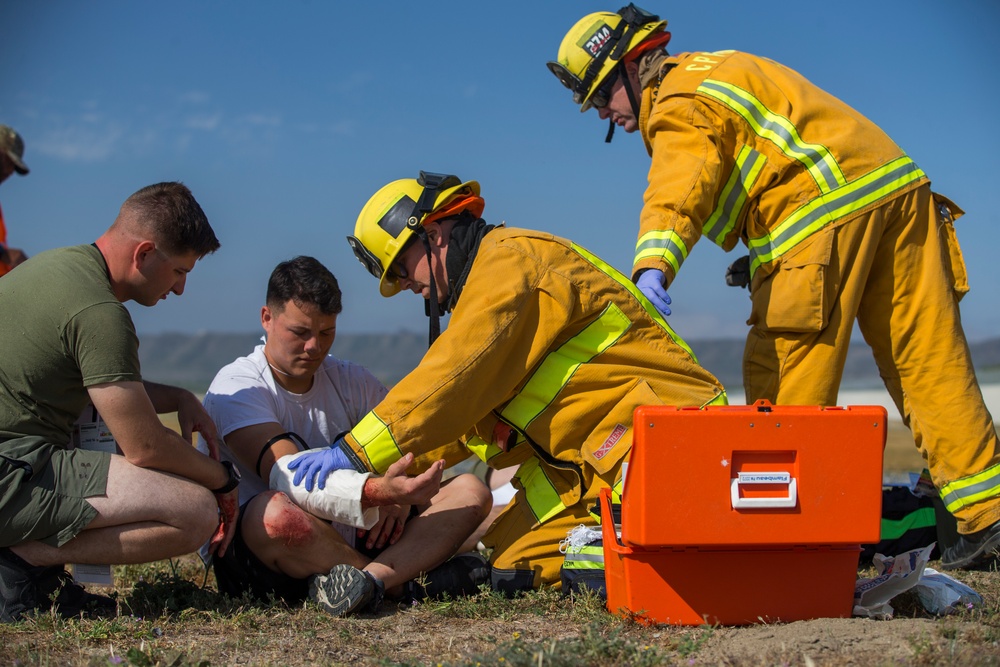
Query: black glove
(738, 273)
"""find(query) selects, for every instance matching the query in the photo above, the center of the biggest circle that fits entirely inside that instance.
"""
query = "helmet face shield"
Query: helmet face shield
(365, 256)
(566, 78)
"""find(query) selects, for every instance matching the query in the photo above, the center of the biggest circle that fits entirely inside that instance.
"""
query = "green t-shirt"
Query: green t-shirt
(61, 331)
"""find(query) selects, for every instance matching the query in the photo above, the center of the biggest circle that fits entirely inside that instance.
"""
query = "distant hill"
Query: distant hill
(191, 360)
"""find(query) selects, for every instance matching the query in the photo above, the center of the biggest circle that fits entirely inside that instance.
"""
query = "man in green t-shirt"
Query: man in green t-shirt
(68, 342)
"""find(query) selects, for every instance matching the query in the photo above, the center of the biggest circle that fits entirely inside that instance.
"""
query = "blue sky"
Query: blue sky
(283, 118)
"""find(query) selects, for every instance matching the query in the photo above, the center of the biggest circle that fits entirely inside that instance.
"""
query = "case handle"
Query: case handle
(749, 478)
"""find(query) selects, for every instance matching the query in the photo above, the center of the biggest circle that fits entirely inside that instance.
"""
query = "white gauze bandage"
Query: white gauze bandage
(340, 501)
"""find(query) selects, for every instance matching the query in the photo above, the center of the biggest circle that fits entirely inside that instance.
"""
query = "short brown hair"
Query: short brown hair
(170, 213)
(304, 280)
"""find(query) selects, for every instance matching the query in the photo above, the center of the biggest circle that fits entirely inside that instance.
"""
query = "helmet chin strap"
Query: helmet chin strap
(431, 307)
(633, 100)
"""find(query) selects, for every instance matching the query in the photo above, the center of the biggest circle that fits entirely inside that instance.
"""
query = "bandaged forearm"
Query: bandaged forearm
(340, 501)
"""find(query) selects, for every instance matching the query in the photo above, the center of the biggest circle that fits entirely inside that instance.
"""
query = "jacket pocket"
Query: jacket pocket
(794, 297)
(608, 444)
(947, 213)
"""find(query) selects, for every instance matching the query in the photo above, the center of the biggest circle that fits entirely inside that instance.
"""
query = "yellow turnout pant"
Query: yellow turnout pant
(898, 270)
(531, 550)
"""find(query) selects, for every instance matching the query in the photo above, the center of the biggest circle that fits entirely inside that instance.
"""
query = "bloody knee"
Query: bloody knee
(285, 522)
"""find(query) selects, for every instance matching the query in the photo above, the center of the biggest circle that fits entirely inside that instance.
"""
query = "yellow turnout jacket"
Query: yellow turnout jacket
(547, 353)
(744, 148)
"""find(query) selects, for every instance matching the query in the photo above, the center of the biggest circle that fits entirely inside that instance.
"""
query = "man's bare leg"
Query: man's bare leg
(428, 540)
(435, 534)
(145, 516)
(495, 479)
(290, 540)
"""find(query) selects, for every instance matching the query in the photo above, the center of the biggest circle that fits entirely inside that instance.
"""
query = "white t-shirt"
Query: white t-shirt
(244, 393)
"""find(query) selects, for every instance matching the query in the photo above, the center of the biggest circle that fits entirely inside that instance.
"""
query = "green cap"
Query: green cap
(12, 144)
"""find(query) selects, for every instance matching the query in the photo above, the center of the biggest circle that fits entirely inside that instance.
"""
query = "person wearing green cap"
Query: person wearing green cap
(11, 160)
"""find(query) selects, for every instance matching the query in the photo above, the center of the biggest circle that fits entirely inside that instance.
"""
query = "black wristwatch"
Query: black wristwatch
(232, 482)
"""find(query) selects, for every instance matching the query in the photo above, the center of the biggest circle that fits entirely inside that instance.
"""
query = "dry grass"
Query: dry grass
(168, 617)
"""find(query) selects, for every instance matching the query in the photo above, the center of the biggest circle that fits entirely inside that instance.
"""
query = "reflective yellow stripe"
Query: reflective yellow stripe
(720, 399)
(587, 557)
(559, 365)
(482, 449)
(650, 309)
(734, 195)
(971, 489)
(376, 442)
(616, 491)
(832, 206)
(575, 564)
(616, 499)
(837, 198)
(780, 131)
(665, 244)
(541, 494)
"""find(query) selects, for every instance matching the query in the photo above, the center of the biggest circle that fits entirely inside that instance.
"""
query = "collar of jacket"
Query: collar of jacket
(649, 68)
(466, 235)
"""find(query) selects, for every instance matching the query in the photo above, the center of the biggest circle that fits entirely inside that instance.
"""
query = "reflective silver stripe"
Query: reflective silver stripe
(665, 244)
(780, 131)
(826, 208)
(734, 195)
(971, 489)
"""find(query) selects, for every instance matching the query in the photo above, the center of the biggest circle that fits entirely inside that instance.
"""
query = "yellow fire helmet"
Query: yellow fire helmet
(593, 48)
(394, 216)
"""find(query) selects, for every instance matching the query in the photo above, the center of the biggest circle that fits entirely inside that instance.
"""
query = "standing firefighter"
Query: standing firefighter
(840, 225)
(547, 353)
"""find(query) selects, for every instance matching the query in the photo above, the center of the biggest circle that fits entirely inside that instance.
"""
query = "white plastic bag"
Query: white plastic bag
(941, 594)
(895, 575)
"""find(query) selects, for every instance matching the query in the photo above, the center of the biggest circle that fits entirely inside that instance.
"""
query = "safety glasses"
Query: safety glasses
(602, 95)
(396, 270)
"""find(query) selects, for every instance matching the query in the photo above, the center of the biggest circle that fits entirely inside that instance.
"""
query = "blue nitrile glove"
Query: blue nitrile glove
(317, 464)
(650, 283)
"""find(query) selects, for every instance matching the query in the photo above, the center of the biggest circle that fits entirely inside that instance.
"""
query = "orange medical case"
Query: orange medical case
(741, 514)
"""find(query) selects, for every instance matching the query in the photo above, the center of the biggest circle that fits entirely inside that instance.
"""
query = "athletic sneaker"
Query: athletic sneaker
(25, 588)
(456, 577)
(346, 589)
(972, 551)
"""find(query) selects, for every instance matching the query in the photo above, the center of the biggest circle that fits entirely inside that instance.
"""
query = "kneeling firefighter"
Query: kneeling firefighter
(547, 353)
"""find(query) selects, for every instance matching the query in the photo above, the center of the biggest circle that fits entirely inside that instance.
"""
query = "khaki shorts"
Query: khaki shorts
(43, 490)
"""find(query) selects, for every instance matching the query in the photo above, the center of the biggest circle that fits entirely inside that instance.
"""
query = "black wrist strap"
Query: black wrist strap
(294, 437)
(232, 482)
